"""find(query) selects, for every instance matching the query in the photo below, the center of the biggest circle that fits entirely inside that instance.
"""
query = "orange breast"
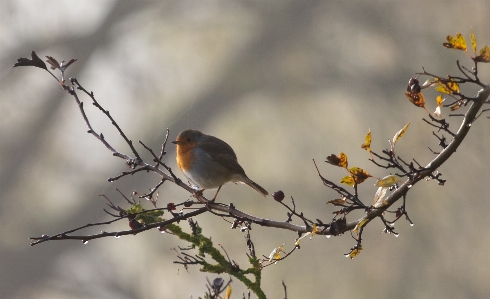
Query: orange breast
(185, 156)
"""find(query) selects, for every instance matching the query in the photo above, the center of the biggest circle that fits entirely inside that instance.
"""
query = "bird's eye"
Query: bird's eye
(189, 139)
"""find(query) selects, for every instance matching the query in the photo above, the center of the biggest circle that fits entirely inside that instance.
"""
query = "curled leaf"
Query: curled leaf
(473, 41)
(314, 230)
(52, 62)
(457, 43)
(360, 224)
(61, 66)
(337, 202)
(428, 83)
(355, 251)
(276, 253)
(300, 238)
(228, 292)
(367, 145)
(455, 107)
(340, 160)
(439, 101)
(484, 55)
(387, 181)
(400, 133)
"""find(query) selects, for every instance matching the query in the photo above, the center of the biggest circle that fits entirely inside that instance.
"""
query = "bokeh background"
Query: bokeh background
(283, 82)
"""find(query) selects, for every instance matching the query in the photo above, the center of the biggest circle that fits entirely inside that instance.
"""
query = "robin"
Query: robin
(209, 162)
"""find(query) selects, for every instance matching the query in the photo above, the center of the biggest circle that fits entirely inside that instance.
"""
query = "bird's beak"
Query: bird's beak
(175, 142)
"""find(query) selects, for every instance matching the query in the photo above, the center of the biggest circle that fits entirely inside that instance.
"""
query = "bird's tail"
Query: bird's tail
(256, 187)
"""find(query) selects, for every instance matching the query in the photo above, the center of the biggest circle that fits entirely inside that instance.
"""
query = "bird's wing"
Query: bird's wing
(222, 153)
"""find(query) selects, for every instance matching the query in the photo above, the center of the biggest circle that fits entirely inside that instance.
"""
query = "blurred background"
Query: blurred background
(283, 82)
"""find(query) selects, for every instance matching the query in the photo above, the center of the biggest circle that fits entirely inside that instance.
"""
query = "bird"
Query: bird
(208, 162)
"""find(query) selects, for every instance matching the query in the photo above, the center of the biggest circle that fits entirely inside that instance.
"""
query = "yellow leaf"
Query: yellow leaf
(447, 87)
(337, 202)
(473, 41)
(439, 101)
(359, 174)
(348, 180)
(458, 42)
(484, 55)
(276, 253)
(400, 133)
(340, 160)
(387, 181)
(354, 252)
(228, 292)
(314, 230)
(360, 225)
(367, 145)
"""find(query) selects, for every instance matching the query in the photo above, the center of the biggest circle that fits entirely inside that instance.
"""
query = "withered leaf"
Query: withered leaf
(337, 202)
(359, 174)
(484, 55)
(35, 61)
(457, 43)
(340, 160)
(53, 63)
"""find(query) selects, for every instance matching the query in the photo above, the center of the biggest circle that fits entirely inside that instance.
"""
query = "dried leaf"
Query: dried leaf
(348, 180)
(61, 66)
(314, 230)
(337, 202)
(228, 292)
(455, 107)
(276, 253)
(428, 83)
(439, 101)
(400, 133)
(387, 181)
(340, 161)
(359, 174)
(457, 43)
(354, 252)
(473, 41)
(35, 61)
(68, 63)
(438, 112)
(416, 98)
(447, 87)
(484, 55)
(53, 63)
(360, 224)
(367, 145)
